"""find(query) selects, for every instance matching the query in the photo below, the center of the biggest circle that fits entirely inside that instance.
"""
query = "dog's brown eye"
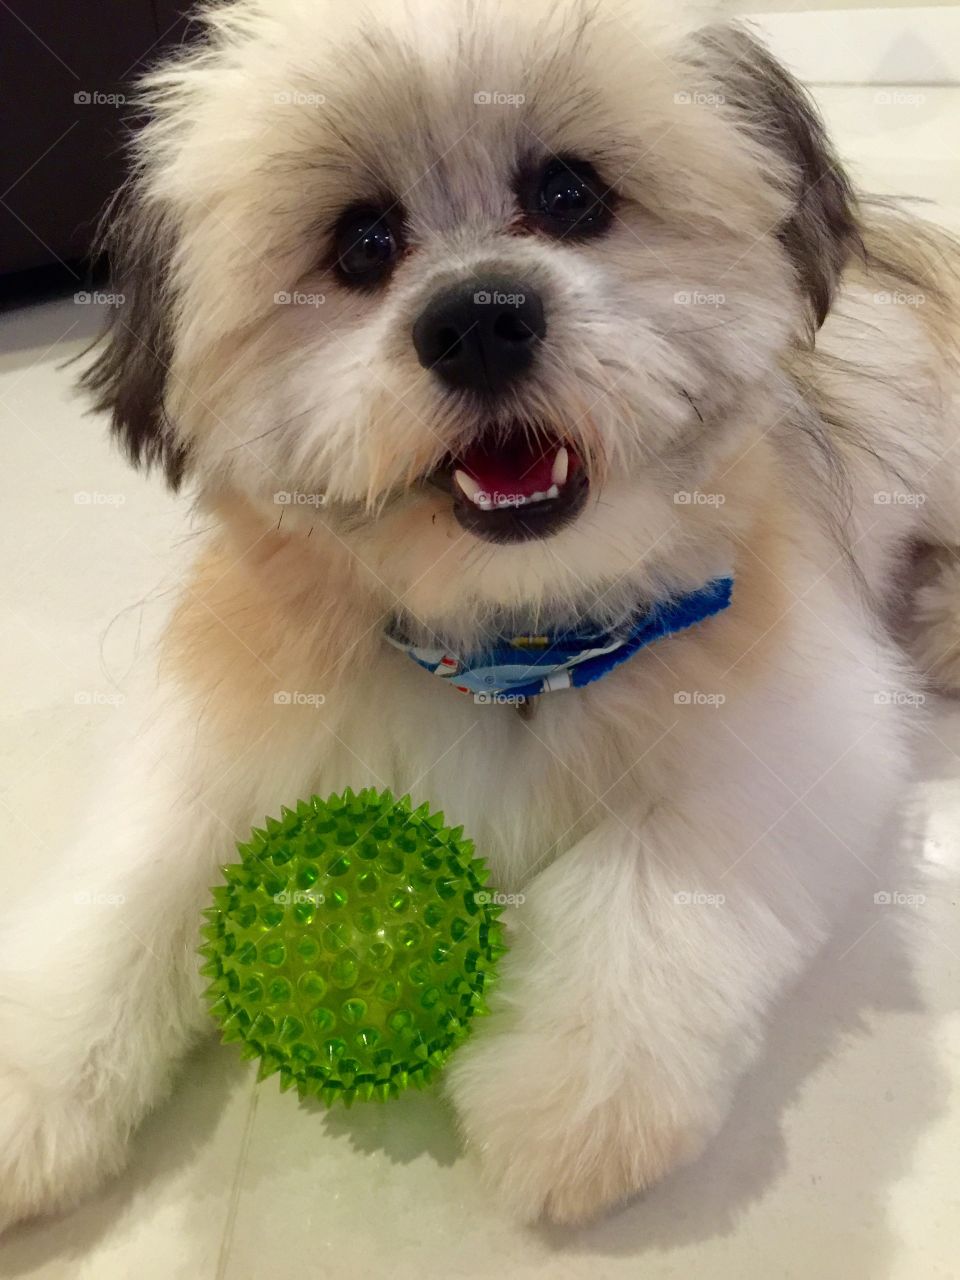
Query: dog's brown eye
(570, 199)
(367, 242)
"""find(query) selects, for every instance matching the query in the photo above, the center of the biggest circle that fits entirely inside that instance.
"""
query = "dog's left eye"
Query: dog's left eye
(570, 199)
(367, 242)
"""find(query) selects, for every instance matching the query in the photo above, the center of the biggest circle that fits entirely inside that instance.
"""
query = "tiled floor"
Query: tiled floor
(841, 1159)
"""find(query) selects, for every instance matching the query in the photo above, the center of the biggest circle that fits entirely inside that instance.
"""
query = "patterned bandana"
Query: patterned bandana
(519, 667)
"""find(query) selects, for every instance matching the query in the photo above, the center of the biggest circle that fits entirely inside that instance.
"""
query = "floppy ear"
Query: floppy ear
(129, 376)
(775, 111)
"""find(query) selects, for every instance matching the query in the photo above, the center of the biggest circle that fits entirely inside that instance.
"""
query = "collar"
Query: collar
(515, 668)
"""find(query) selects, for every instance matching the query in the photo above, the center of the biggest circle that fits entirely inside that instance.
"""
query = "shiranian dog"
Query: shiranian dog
(471, 319)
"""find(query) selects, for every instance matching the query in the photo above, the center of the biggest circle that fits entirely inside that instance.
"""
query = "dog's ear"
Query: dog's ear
(775, 111)
(129, 376)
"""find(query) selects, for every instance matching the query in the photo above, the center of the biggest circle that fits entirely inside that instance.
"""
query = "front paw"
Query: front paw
(565, 1130)
(54, 1149)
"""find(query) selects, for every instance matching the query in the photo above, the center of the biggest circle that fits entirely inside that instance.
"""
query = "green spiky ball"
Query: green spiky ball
(351, 946)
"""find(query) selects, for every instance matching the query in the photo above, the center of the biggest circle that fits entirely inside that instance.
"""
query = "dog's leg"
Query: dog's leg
(98, 968)
(642, 965)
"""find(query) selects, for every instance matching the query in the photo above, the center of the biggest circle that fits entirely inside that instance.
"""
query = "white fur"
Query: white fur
(626, 1013)
(681, 859)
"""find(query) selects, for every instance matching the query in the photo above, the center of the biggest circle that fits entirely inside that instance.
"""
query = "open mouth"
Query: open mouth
(509, 486)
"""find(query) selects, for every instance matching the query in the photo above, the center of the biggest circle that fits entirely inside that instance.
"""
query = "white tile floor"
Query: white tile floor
(841, 1159)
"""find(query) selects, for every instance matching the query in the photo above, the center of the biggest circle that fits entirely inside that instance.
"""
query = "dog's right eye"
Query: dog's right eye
(366, 245)
(567, 199)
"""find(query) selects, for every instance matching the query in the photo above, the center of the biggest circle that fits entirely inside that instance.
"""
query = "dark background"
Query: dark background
(60, 156)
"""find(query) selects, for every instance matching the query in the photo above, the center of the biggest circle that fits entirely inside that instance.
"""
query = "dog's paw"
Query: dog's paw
(53, 1149)
(562, 1134)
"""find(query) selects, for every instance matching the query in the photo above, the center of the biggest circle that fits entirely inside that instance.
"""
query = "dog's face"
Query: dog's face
(478, 288)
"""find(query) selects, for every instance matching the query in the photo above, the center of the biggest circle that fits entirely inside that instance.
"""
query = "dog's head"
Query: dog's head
(481, 289)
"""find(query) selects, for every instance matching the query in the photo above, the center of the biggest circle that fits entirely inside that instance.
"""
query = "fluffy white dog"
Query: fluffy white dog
(469, 321)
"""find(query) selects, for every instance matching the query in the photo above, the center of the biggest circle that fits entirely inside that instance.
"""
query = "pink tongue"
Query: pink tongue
(517, 467)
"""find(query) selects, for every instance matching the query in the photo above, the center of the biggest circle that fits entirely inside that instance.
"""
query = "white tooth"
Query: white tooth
(553, 491)
(561, 464)
(469, 486)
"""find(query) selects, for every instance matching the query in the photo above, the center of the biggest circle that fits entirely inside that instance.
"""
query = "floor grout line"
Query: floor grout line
(230, 1221)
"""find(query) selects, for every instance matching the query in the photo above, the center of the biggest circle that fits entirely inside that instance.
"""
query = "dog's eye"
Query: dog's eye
(366, 245)
(571, 200)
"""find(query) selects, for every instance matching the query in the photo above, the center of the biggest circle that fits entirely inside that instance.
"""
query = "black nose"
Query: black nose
(480, 337)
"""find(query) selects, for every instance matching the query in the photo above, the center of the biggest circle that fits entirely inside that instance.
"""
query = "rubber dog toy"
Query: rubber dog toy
(351, 946)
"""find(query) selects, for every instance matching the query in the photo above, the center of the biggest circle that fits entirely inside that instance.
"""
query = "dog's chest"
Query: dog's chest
(524, 787)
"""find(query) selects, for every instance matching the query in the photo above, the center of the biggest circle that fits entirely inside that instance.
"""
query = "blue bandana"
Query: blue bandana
(521, 667)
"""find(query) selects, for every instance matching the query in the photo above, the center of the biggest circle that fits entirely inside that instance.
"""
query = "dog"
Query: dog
(554, 332)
